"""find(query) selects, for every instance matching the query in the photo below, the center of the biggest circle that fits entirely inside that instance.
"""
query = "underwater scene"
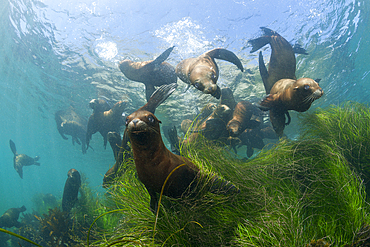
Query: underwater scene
(184, 123)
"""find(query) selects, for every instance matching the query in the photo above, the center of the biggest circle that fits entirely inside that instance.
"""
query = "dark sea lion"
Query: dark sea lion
(282, 63)
(70, 191)
(284, 91)
(242, 118)
(105, 121)
(10, 217)
(153, 161)
(21, 160)
(227, 98)
(99, 105)
(69, 123)
(202, 72)
(288, 94)
(252, 138)
(116, 143)
(152, 73)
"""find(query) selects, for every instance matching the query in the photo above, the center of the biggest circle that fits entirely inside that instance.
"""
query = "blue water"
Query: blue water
(56, 54)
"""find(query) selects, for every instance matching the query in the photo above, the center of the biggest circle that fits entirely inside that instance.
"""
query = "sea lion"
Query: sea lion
(21, 160)
(152, 73)
(288, 94)
(70, 191)
(105, 121)
(10, 217)
(116, 143)
(153, 161)
(284, 91)
(69, 123)
(227, 98)
(202, 71)
(242, 118)
(99, 105)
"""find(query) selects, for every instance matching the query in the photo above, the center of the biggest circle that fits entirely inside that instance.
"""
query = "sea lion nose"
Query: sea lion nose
(135, 121)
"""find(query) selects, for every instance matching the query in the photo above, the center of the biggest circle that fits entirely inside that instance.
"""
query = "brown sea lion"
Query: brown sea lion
(105, 121)
(202, 72)
(116, 143)
(152, 73)
(284, 91)
(99, 105)
(69, 123)
(21, 160)
(227, 98)
(153, 161)
(70, 191)
(10, 217)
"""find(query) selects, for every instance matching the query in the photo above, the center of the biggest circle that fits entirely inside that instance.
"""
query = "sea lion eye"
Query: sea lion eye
(151, 119)
(306, 87)
(127, 120)
(196, 85)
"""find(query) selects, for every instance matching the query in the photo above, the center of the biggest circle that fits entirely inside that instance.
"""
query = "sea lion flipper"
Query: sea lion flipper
(158, 97)
(161, 58)
(268, 102)
(288, 116)
(264, 73)
(149, 90)
(297, 48)
(12, 147)
(226, 55)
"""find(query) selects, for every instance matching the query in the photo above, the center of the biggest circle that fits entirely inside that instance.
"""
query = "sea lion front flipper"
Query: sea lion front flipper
(264, 73)
(289, 119)
(268, 102)
(263, 40)
(226, 55)
(250, 151)
(158, 97)
(149, 90)
(12, 147)
(161, 58)
(20, 171)
(297, 48)
(277, 119)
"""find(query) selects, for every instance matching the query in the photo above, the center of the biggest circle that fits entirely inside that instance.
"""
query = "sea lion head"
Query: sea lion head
(306, 90)
(99, 105)
(74, 174)
(204, 78)
(143, 128)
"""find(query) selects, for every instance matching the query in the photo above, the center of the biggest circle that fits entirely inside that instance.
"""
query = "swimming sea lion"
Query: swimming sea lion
(69, 123)
(70, 191)
(284, 91)
(10, 217)
(105, 121)
(152, 73)
(153, 161)
(202, 72)
(242, 118)
(288, 94)
(21, 160)
(99, 105)
(227, 98)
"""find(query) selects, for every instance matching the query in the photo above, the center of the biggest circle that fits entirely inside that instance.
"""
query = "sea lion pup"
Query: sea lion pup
(153, 161)
(242, 118)
(116, 143)
(10, 217)
(99, 105)
(105, 121)
(284, 91)
(202, 72)
(21, 160)
(152, 73)
(70, 191)
(69, 123)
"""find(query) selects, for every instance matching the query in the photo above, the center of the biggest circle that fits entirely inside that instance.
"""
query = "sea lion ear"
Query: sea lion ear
(317, 80)
(296, 88)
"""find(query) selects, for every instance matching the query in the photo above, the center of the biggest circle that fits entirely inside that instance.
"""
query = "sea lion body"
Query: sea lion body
(69, 123)
(105, 121)
(21, 160)
(288, 94)
(151, 73)
(10, 217)
(70, 192)
(202, 72)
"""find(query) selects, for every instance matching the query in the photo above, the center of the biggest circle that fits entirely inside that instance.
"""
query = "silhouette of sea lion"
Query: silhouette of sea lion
(70, 192)
(21, 160)
(10, 217)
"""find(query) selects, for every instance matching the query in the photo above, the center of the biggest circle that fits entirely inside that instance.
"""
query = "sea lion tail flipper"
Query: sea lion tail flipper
(161, 58)
(297, 48)
(250, 151)
(263, 72)
(222, 186)
(12, 147)
(159, 96)
(226, 55)
(187, 87)
(149, 90)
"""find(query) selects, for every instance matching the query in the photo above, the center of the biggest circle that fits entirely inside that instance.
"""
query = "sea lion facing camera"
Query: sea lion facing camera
(105, 121)
(153, 161)
(21, 160)
(70, 191)
(202, 72)
(152, 73)
(10, 217)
